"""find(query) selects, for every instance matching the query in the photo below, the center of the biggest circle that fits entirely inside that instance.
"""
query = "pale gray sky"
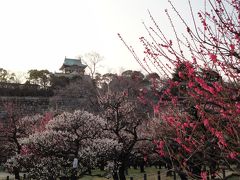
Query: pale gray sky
(38, 34)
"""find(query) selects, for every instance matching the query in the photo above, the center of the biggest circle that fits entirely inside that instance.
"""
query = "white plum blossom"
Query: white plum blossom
(65, 137)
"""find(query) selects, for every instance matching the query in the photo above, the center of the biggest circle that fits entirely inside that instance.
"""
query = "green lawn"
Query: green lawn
(96, 175)
(135, 173)
(3, 176)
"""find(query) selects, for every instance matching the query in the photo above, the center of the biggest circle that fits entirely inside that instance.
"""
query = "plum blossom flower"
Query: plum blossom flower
(204, 175)
(213, 57)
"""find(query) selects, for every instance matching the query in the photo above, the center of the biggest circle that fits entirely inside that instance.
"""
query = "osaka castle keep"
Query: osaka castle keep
(72, 67)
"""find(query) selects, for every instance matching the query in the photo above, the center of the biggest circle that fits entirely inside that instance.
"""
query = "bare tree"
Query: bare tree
(92, 60)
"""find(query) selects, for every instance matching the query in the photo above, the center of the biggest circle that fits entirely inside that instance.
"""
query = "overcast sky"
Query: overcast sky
(38, 34)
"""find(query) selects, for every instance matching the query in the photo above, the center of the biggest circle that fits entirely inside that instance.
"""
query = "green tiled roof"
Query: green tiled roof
(73, 62)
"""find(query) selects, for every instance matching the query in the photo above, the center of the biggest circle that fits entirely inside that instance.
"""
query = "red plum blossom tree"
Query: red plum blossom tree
(198, 108)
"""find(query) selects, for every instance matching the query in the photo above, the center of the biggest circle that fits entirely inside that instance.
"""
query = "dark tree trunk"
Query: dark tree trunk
(115, 175)
(64, 178)
(74, 174)
(196, 170)
(51, 178)
(169, 167)
(182, 175)
(142, 167)
(213, 169)
(101, 166)
(122, 172)
(126, 171)
(16, 174)
(89, 170)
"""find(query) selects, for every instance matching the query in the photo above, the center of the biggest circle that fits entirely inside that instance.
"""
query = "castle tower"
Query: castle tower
(73, 67)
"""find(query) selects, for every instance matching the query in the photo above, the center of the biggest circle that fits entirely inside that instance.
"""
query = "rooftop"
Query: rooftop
(72, 62)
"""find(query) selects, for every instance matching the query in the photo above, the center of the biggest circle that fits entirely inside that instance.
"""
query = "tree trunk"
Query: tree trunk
(101, 166)
(213, 169)
(182, 175)
(115, 175)
(74, 174)
(169, 167)
(89, 170)
(196, 170)
(50, 178)
(142, 167)
(122, 172)
(16, 174)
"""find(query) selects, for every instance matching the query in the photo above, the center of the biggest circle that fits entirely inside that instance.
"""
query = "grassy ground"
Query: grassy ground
(3, 176)
(135, 173)
(98, 175)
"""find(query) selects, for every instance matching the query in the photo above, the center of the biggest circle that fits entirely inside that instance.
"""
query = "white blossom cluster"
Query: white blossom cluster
(50, 144)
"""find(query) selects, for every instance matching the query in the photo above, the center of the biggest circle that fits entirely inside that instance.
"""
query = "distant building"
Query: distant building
(71, 68)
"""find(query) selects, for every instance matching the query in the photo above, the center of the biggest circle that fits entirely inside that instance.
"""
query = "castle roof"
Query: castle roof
(72, 62)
